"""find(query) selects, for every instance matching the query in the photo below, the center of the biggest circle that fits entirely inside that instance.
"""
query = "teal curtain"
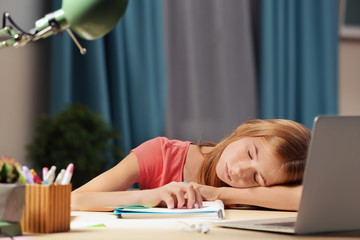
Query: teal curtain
(298, 59)
(122, 76)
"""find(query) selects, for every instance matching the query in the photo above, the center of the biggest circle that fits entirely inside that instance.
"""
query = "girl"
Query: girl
(261, 163)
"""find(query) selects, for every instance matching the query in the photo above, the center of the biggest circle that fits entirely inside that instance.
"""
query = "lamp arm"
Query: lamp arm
(90, 19)
(11, 37)
(8, 37)
(52, 23)
(55, 23)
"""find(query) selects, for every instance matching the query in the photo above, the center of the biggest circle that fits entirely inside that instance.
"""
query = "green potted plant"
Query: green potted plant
(75, 135)
(12, 192)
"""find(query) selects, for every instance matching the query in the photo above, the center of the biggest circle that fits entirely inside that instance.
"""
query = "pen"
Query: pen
(36, 177)
(68, 174)
(22, 177)
(50, 176)
(28, 175)
(60, 176)
(44, 172)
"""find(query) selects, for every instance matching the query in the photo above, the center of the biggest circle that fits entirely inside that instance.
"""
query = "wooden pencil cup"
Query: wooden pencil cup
(47, 208)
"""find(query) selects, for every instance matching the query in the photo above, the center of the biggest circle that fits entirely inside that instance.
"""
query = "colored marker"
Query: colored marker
(22, 176)
(28, 175)
(50, 176)
(44, 172)
(68, 174)
(36, 177)
(60, 177)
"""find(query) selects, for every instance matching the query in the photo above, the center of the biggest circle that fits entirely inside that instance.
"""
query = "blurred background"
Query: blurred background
(185, 69)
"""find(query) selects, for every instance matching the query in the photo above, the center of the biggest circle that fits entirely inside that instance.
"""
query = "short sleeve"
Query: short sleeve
(149, 156)
(161, 161)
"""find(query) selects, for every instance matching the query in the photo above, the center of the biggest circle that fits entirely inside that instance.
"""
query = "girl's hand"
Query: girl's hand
(174, 195)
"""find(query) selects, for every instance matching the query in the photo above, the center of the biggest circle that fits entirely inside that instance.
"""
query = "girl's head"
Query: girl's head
(258, 153)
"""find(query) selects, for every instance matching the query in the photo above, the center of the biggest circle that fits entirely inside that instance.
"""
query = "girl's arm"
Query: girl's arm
(280, 197)
(109, 190)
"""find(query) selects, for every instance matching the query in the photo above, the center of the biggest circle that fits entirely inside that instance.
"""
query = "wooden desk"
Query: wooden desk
(161, 229)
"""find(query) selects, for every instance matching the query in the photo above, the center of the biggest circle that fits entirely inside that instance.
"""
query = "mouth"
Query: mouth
(227, 173)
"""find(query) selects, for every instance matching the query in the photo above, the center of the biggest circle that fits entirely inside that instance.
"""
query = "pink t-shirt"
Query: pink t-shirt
(161, 161)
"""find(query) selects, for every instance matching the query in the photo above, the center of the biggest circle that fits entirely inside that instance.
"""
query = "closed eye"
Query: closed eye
(255, 176)
(249, 154)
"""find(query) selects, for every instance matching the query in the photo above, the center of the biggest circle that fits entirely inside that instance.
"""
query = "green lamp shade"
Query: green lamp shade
(92, 19)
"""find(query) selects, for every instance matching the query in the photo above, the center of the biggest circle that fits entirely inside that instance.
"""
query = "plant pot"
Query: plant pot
(12, 199)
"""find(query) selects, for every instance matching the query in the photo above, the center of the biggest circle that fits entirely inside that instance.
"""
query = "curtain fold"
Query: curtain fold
(298, 61)
(122, 76)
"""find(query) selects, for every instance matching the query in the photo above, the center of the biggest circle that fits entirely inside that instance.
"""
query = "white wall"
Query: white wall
(349, 72)
(23, 80)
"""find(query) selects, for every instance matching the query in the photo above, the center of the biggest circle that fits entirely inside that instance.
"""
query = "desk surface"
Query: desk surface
(109, 227)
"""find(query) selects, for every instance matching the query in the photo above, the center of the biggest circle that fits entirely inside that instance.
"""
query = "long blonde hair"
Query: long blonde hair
(289, 139)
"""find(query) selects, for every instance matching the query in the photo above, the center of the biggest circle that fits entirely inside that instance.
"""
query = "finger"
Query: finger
(190, 192)
(180, 198)
(169, 200)
(198, 198)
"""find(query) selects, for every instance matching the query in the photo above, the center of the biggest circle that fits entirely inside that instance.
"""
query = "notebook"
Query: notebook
(331, 195)
(210, 210)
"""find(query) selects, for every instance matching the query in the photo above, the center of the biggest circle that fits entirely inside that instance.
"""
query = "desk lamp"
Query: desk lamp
(90, 19)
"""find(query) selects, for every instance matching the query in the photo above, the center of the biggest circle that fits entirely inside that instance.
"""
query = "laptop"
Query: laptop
(330, 200)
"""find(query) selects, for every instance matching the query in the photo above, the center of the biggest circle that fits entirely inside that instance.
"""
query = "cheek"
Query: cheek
(230, 155)
(218, 169)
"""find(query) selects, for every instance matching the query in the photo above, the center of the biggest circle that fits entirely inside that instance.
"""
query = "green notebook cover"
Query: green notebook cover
(210, 209)
(8, 229)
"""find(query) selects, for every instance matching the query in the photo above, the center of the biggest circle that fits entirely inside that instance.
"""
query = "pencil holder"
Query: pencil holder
(47, 208)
